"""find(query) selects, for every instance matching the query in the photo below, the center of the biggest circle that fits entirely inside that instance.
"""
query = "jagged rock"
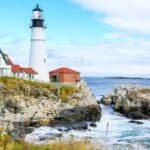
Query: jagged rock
(72, 126)
(80, 126)
(107, 100)
(62, 129)
(132, 101)
(89, 113)
(134, 121)
(93, 124)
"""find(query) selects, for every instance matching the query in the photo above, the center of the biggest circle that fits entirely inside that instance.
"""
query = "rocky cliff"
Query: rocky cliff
(132, 101)
(30, 104)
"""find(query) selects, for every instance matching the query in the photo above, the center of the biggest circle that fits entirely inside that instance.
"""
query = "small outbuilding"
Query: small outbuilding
(64, 75)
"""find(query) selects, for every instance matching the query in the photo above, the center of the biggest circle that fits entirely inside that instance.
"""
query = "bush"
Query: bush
(4, 140)
(9, 83)
(65, 92)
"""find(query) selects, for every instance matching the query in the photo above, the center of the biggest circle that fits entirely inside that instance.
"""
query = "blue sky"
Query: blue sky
(98, 37)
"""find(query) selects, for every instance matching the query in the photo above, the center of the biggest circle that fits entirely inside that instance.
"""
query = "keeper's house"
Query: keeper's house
(8, 68)
(64, 75)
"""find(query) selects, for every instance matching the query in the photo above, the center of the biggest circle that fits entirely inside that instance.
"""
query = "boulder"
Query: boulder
(136, 122)
(107, 100)
(93, 124)
(78, 114)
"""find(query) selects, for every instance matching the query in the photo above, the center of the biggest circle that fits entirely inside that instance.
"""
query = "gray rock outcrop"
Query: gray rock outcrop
(132, 101)
(40, 107)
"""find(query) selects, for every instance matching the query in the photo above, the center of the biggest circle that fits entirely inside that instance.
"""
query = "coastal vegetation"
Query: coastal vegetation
(65, 92)
(7, 143)
(12, 83)
(35, 89)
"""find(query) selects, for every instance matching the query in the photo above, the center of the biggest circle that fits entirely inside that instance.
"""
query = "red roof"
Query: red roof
(64, 70)
(19, 69)
(16, 69)
(29, 71)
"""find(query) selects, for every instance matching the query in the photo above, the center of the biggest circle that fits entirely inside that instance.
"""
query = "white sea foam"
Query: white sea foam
(118, 131)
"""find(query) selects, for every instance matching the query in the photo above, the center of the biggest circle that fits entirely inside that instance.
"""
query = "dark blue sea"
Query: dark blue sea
(113, 128)
(103, 86)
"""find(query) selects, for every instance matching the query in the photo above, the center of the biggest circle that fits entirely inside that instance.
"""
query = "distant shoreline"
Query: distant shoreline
(127, 78)
(118, 77)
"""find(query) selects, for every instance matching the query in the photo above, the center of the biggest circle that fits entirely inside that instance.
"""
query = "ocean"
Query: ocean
(113, 128)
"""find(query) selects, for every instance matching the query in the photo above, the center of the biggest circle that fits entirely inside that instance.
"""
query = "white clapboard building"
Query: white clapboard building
(8, 68)
(5, 66)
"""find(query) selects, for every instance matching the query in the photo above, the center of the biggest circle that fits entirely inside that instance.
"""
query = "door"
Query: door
(55, 78)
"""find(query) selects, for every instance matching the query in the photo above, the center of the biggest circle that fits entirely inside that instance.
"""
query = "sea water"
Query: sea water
(113, 128)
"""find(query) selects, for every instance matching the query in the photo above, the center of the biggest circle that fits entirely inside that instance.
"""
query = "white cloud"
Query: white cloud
(16, 48)
(127, 55)
(132, 15)
(116, 36)
(105, 59)
(140, 25)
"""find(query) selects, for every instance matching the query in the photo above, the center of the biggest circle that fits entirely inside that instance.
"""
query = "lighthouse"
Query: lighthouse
(38, 51)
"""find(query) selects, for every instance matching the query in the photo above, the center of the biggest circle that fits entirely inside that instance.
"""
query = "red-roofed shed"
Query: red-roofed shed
(65, 75)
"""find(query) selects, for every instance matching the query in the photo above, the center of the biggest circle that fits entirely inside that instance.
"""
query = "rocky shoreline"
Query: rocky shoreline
(130, 100)
(27, 108)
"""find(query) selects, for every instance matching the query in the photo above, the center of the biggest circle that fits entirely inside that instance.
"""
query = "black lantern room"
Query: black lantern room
(37, 20)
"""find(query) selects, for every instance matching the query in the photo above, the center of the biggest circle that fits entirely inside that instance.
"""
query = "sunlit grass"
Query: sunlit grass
(36, 89)
(65, 92)
(6, 143)
(11, 82)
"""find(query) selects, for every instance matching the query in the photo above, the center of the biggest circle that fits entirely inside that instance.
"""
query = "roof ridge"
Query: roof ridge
(64, 70)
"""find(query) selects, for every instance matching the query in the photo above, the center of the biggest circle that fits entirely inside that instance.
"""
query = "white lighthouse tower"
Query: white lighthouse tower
(38, 52)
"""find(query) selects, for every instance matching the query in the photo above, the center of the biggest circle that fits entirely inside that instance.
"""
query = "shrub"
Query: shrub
(4, 140)
(9, 82)
(65, 92)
